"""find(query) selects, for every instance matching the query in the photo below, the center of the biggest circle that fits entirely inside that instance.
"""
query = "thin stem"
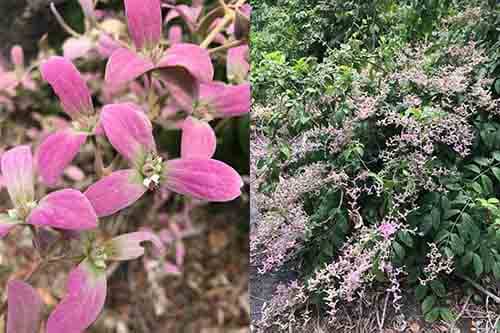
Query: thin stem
(98, 162)
(113, 165)
(480, 288)
(61, 22)
(228, 18)
(227, 46)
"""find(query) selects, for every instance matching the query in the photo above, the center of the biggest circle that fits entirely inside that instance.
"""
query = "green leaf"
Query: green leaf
(497, 86)
(448, 252)
(426, 224)
(428, 303)
(450, 213)
(496, 155)
(496, 172)
(467, 218)
(487, 184)
(477, 264)
(447, 314)
(463, 229)
(433, 315)
(421, 292)
(496, 270)
(400, 251)
(406, 238)
(474, 168)
(467, 258)
(457, 244)
(476, 187)
(436, 218)
(482, 161)
(438, 287)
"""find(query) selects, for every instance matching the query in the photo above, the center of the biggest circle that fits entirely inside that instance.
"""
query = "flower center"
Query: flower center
(21, 212)
(203, 111)
(99, 257)
(152, 171)
(85, 123)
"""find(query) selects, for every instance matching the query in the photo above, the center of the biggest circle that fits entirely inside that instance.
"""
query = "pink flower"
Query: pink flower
(24, 308)
(65, 209)
(175, 34)
(174, 236)
(182, 66)
(387, 229)
(218, 100)
(130, 132)
(10, 80)
(190, 15)
(87, 286)
(58, 150)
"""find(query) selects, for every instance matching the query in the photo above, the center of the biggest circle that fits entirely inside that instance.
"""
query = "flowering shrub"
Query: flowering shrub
(186, 80)
(380, 172)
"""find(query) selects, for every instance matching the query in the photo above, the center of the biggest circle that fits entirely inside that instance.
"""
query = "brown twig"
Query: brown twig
(224, 47)
(480, 288)
(228, 18)
(460, 314)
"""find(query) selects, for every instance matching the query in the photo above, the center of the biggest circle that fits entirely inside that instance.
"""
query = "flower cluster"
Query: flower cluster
(150, 81)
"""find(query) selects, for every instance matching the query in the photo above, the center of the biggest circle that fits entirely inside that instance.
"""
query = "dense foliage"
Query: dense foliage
(377, 146)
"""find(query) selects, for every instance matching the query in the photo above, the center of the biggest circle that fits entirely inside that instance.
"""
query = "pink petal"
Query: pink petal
(17, 172)
(175, 35)
(128, 246)
(74, 48)
(17, 55)
(65, 209)
(8, 81)
(115, 192)
(6, 224)
(68, 84)
(246, 9)
(107, 45)
(124, 66)
(225, 100)
(144, 21)
(56, 152)
(198, 139)
(205, 179)
(190, 15)
(83, 302)
(129, 130)
(237, 64)
(24, 308)
(193, 58)
(182, 86)
(74, 173)
(171, 268)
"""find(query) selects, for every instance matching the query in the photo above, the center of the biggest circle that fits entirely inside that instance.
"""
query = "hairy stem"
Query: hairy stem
(63, 23)
(98, 162)
(228, 18)
(227, 46)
